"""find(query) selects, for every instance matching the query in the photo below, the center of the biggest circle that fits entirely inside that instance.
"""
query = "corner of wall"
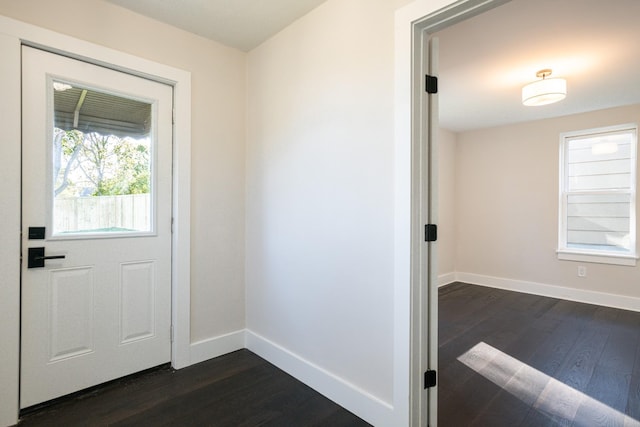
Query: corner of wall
(446, 279)
(339, 390)
(210, 348)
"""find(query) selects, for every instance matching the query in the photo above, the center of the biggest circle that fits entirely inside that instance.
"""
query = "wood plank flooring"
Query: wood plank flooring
(506, 359)
(513, 359)
(238, 389)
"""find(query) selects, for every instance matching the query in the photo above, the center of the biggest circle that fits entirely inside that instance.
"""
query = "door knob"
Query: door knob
(37, 257)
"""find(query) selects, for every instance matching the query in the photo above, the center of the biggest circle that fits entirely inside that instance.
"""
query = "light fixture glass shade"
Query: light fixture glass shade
(605, 147)
(543, 92)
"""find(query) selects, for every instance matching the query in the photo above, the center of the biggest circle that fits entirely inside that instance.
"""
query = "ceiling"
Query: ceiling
(484, 61)
(243, 24)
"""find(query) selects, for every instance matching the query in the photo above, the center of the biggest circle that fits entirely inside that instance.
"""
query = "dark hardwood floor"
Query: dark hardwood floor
(506, 359)
(238, 389)
(513, 359)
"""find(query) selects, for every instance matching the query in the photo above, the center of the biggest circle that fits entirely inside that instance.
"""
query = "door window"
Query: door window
(102, 155)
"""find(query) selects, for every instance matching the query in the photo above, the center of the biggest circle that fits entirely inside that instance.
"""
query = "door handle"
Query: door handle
(37, 257)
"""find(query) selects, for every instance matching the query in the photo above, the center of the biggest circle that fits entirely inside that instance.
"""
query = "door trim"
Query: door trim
(414, 23)
(14, 35)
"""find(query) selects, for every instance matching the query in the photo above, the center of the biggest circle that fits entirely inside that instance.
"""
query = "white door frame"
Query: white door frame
(414, 266)
(13, 34)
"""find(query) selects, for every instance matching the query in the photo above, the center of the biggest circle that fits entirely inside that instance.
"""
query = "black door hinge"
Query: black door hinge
(431, 84)
(429, 379)
(430, 232)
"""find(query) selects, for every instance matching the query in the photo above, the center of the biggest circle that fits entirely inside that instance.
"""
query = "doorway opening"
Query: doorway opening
(419, 125)
(473, 157)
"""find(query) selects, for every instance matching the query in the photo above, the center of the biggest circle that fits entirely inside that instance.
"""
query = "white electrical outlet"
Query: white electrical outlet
(582, 271)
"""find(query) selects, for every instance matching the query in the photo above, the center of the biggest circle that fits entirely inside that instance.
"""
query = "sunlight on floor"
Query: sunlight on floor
(535, 388)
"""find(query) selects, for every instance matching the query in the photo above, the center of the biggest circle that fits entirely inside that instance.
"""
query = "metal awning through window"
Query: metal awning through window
(89, 110)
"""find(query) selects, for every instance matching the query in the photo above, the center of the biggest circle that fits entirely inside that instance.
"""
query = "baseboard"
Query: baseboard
(217, 346)
(347, 395)
(554, 291)
(445, 279)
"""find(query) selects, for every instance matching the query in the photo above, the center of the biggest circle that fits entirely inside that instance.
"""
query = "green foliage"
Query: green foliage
(100, 165)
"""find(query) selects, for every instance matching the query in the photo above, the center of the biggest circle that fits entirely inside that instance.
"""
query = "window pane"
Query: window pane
(600, 162)
(101, 162)
(599, 220)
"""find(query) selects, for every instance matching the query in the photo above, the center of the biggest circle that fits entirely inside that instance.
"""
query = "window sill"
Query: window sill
(599, 258)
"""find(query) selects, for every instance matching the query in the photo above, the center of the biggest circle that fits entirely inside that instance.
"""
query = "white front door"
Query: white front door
(96, 225)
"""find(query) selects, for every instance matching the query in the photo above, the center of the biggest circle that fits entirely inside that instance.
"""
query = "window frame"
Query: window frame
(564, 252)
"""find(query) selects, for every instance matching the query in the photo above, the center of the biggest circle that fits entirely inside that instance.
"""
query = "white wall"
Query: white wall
(9, 232)
(507, 209)
(218, 134)
(320, 192)
(447, 220)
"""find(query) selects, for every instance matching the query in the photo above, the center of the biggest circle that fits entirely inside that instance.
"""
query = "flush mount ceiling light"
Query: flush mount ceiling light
(61, 87)
(545, 91)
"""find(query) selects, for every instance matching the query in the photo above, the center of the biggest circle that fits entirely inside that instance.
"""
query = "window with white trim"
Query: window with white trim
(598, 195)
